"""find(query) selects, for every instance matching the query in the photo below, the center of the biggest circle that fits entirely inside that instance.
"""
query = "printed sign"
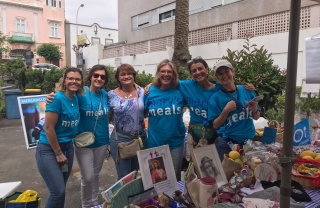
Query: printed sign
(301, 135)
(32, 112)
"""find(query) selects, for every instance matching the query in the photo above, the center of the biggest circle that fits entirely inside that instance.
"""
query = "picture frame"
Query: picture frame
(32, 112)
(207, 163)
(157, 170)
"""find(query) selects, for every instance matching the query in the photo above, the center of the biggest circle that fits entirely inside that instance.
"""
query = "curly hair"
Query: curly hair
(91, 72)
(61, 87)
(156, 81)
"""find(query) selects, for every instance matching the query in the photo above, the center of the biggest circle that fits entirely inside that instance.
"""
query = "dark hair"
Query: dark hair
(60, 86)
(175, 81)
(126, 68)
(96, 68)
(195, 61)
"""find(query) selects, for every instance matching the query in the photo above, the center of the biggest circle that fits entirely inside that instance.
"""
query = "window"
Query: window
(53, 3)
(21, 26)
(54, 29)
(143, 19)
(47, 2)
(166, 16)
(95, 41)
(108, 41)
(59, 4)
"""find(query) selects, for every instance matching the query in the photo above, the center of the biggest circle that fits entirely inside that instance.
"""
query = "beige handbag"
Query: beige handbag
(87, 138)
(127, 150)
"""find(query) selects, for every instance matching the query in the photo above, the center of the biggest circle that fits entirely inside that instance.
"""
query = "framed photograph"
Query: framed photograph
(207, 164)
(32, 112)
(157, 170)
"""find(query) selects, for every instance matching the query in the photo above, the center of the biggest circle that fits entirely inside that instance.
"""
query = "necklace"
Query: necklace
(128, 94)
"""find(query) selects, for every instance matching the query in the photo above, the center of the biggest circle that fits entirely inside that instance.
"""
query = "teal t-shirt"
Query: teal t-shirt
(165, 124)
(89, 105)
(239, 124)
(197, 99)
(68, 118)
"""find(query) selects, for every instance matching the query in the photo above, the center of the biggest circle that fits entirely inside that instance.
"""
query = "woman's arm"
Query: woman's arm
(51, 121)
(255, 111)
(231, 106)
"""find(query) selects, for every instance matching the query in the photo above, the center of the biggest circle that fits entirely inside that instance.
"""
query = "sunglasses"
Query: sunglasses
(99, 75)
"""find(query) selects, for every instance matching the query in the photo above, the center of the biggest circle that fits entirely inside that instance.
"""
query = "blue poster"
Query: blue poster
(301, 135)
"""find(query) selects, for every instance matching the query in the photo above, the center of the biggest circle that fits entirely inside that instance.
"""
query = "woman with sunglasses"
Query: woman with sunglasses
(126, 102)
(93, 110)
(55, 153)
(232, 110)
(164, 105)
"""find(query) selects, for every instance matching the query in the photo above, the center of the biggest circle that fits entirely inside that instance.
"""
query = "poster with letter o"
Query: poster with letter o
(301, 134)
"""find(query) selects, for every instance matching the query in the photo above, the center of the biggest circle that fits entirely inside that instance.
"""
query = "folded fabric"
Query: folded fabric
(297, 191)
(257, 203)
(272, 193)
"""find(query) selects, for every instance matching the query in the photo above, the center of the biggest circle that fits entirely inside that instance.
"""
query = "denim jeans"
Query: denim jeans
(90, 161)
(222, 147)
(124, 166)
(177, 155)
(51, 172)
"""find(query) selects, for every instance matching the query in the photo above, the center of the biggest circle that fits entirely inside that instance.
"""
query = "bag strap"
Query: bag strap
(95, 125)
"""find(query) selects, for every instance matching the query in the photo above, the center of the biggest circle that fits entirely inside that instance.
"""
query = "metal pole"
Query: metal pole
(77, 50)
(285, 188)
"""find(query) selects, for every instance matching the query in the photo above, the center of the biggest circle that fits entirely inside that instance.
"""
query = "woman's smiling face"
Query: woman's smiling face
(199, 72)
(225, 75)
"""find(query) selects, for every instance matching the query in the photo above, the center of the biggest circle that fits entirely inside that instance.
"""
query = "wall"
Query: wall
(71, 34)
(241, 10)
(92, 55)
(276, 44)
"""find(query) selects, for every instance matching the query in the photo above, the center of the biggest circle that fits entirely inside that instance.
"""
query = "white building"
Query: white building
(146, 30)
(95, 35)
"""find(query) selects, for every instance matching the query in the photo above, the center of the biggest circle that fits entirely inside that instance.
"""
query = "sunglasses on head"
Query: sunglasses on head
(99, 75)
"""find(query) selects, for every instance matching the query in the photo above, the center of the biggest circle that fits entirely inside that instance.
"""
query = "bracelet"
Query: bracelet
(58, 154)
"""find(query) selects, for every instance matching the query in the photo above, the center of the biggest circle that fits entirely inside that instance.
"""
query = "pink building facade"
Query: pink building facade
(30, 23)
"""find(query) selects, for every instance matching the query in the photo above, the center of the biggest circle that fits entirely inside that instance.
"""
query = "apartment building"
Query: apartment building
(146, 30)
(30, 23)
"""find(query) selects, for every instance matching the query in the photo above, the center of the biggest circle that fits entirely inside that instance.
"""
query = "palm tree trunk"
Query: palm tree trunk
(181, 53)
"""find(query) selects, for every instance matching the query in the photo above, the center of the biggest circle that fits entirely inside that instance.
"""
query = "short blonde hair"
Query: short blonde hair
(174, 83)
(61, 87)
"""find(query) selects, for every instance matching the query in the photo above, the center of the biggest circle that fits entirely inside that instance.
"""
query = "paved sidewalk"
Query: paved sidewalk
(18, 164)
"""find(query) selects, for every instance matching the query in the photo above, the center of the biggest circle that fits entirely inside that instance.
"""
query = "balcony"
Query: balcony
(17, 37)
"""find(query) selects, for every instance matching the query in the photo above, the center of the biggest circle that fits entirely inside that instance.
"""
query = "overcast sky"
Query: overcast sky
(103, 12)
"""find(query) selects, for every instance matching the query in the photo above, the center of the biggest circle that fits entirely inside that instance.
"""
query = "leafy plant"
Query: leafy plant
(49, 51)
(143, 79)
(307, 106)
(255, 65)
(50, 78)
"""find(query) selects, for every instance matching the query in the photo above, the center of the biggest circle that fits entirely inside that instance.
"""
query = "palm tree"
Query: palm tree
(181, 53)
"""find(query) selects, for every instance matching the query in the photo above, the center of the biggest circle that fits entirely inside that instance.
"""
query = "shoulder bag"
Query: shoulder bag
(127, 150)
(87, 138)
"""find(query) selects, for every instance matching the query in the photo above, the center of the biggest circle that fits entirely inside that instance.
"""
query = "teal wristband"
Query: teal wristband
(58, 154)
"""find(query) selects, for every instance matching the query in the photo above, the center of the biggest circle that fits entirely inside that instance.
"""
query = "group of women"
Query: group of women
(72, 112)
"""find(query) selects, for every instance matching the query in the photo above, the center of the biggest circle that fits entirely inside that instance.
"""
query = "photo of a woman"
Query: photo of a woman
(158, 173)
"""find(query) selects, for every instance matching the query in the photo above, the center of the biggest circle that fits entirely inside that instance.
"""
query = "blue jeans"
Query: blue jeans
(124, 166)
(222, 147)
(51, 172)
(177, 155)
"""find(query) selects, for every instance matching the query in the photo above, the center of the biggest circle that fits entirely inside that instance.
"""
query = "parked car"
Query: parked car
(45, 66)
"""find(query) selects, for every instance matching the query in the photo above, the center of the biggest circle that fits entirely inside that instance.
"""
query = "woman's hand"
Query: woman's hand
(249, 86)
(61, 158)
(146, 89)
(231, 106)
(50, 97)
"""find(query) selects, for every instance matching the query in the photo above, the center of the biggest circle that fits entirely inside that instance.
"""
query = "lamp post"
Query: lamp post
(79, 59)
(81, 5)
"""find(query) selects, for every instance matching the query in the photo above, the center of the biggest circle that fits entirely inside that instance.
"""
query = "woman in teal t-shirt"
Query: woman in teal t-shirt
(164, 105)
(55, 153)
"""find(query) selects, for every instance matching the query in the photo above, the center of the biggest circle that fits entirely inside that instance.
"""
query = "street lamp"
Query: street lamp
(81, 5)
(79, 58)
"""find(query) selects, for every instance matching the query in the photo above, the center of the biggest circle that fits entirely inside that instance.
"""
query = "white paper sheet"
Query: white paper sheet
(8, 188)
(313, 60)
